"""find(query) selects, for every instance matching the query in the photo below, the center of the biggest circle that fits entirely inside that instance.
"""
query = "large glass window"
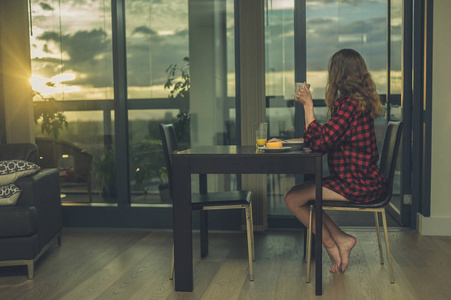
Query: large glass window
(180, 70)
(72, 79)
(280, 89)
(71, 49)
(330, 26)
(360, 25)
(334, 25)
(180, 58)
(396, 87)
(157, 61)
(157, 37)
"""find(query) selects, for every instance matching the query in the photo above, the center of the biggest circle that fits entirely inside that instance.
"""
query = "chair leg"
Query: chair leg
(305, 244)
(390, 266)
(203, 233)
(171, 274)
(89, 188)
(379, 242)
(30, 268)
(309, 243)
(249, 243)
(252, 230)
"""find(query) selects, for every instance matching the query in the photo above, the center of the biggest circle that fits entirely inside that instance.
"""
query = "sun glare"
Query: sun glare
(39, 84)
(62, 77)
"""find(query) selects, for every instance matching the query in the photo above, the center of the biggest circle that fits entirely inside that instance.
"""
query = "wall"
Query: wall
(15, 71)
(439, 223)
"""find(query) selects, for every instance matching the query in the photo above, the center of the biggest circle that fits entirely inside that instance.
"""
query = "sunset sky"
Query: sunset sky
(71, 44)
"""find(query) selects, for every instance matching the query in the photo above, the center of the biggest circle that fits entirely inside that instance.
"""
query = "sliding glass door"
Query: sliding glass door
(301, 36)
(179, 63)
(179, 66)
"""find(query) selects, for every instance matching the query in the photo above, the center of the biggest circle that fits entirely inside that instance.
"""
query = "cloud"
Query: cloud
(144, 30)
(88, 54)
(49, 36)
(147, 60)
(320, 21)
(45, 6)
(366, 36)
(82, 46)
(85, 45)
(46, 49)
(351, 2)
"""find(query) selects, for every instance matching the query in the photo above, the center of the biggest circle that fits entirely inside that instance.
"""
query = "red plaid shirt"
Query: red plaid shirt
(350, 143)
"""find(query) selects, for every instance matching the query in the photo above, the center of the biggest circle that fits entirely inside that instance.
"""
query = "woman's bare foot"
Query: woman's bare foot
(345, 246)
(334, 254)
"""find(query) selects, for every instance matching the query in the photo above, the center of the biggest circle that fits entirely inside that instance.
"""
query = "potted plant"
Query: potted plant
(48, 113)
(178, 88)
(147, 165)
(163, 187)
(179, 84)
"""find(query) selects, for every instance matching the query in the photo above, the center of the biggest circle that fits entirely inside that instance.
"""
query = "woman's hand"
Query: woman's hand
(304, 96)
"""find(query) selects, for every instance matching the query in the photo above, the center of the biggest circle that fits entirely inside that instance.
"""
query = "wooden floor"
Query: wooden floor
(134, 264)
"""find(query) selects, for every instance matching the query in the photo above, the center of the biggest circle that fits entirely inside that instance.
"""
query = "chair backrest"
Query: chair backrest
(389, 154)
(170, 145)
(22, 151)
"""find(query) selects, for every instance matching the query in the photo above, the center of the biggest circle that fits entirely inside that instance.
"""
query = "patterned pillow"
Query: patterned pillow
(9, 194)
(11, 170)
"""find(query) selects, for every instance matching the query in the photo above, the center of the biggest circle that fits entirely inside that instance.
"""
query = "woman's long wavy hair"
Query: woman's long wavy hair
(349, 77)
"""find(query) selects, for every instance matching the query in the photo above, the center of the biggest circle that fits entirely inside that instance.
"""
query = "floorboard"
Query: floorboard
(134, 264)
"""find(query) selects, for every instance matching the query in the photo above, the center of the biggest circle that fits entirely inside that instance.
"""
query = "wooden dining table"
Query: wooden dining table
(233, 160)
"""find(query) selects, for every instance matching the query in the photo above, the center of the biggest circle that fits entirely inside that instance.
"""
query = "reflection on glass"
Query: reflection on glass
(85, 161)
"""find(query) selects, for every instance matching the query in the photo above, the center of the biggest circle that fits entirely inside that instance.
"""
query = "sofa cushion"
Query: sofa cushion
(18, 221)
(11, 170)
(9, 194)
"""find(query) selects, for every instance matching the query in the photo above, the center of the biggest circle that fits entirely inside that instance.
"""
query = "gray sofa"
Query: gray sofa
(33, 224)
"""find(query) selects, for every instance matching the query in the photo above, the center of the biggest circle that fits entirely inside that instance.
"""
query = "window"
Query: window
(72, 78)
(330, 26)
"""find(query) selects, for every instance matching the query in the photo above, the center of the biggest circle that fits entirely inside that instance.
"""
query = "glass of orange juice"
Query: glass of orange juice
(261, 135)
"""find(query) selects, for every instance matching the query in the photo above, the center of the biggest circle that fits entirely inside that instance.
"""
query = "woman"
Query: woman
(350, 142)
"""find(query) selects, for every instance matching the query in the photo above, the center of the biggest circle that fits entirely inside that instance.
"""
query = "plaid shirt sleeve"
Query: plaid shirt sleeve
(350, 142)
(325, 137)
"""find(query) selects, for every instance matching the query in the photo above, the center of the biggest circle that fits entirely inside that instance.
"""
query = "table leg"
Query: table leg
(182, 222)
(319, 227)
(203, 218)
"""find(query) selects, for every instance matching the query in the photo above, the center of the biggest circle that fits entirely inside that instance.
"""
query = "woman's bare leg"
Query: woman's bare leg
(337, 243)
(344, 241)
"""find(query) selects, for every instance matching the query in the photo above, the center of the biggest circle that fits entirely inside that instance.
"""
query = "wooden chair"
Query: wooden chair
(209, 201)
(387, 166)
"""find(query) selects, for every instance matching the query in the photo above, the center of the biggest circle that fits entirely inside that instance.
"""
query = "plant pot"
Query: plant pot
(108, 193)
(164, 192)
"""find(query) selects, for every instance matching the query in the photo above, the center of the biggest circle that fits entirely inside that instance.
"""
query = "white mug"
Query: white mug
(302, 85)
